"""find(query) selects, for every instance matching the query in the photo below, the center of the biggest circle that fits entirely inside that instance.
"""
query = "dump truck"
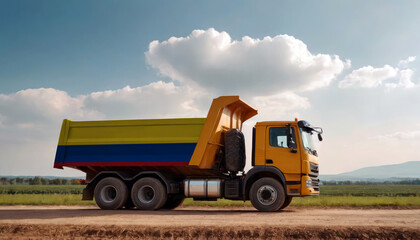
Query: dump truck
(152, 164)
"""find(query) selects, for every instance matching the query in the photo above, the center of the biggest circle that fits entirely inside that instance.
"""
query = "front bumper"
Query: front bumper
(310, 186)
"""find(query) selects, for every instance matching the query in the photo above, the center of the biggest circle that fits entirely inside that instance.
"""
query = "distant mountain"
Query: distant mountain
(407, 170)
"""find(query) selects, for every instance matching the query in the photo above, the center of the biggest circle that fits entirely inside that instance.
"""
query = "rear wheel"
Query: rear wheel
(111, 193)
(287, 202)
(148, 194)
(267, 195)
(173, 201)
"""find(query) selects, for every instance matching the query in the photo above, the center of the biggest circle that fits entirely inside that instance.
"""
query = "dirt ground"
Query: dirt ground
(76, 222)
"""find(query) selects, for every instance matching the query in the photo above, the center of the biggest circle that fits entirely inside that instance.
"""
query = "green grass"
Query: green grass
(331, 195)
(43, 199)
(41, 189)
(371, 190)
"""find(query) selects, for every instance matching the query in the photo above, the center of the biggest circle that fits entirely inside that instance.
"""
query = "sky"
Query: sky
(350, 67)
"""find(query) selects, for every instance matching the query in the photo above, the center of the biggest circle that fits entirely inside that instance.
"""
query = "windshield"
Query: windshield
(307, 141)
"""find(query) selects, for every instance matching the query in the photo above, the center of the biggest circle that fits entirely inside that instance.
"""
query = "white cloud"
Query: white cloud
(167, 99)
(405, 78)
(404, 63)
(370, 77)
(38, 106)
(29, 108)
(213, 61)
(278, 106)
(35, 114)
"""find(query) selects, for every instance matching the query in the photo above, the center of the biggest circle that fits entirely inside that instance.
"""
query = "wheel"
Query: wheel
(148, 194)
(267, 194)
(111, 193)
(173, 201)
(287, 202)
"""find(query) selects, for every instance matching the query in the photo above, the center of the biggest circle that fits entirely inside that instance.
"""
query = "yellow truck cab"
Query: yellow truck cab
(152, 164)
(288, 146)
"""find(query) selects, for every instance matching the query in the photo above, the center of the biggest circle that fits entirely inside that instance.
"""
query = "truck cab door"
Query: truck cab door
(278, 153)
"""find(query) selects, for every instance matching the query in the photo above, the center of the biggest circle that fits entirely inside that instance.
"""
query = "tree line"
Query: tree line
(386, 182)
(38, 181)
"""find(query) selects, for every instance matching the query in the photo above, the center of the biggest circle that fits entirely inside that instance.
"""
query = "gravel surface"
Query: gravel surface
(207, 222)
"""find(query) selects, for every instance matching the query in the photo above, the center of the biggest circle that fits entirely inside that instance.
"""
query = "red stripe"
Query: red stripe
(76, 164)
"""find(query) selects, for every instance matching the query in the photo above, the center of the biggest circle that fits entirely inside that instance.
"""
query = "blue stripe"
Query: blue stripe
(125, 152)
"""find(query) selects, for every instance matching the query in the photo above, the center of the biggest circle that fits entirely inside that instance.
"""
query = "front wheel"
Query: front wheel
(148, 194)
(267, 195)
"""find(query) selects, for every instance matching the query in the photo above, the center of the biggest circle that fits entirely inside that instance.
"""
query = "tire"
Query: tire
(267, 195)
(234, 150)
(173, 201)
(148, 194)
(111, 193)
(287, 202)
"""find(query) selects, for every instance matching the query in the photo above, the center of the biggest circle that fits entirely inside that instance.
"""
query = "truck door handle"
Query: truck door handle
(268, 161)
(293, 150)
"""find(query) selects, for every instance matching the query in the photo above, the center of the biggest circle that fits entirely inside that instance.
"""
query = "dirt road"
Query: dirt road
(198, 222)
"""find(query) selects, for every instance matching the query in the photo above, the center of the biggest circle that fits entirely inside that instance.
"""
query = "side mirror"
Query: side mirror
(319, 137)
(289, 133)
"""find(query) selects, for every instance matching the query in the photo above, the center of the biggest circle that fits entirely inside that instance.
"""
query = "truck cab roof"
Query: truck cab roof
(266, 123)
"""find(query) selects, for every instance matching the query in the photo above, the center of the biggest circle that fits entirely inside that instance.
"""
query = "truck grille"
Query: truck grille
(314, 169)
(315, 184)
(314, 176)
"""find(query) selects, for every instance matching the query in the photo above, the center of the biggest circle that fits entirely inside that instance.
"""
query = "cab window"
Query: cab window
(278, 137)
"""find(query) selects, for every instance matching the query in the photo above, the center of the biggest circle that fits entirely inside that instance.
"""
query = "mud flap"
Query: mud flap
(87, 194)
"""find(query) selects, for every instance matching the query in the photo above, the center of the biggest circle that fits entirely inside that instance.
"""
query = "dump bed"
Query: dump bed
(161, 142)
(189, 142)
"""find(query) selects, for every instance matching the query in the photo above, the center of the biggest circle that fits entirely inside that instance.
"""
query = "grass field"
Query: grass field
(41, 189)
(43, 199)
(344, 195)
(371, 190)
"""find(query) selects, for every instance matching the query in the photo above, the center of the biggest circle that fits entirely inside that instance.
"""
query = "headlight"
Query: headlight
(308, 183)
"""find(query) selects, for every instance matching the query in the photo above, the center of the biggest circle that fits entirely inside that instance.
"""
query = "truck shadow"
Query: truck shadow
(22, 214)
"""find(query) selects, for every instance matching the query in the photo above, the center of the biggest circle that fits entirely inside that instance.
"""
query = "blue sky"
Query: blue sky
(77, 48)
(84, 46)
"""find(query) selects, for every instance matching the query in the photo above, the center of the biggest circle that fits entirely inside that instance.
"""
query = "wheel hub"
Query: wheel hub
(266, 195)
(146, 194)
(108, 193)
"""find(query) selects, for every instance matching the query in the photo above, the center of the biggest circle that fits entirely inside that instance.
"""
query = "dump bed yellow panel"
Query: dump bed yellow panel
(225, 113)
(185, 130)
